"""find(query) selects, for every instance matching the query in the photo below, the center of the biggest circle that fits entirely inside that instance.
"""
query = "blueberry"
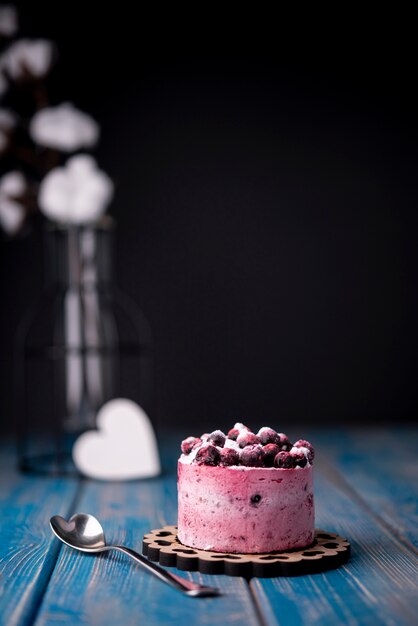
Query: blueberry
(188, 444)
(247, 439)
(217, 438)
(270, 452)
(255, 499)
(252, 456)
(302, 443)
(284, 460)
(268, 435)
(228, 457)
(208, 455)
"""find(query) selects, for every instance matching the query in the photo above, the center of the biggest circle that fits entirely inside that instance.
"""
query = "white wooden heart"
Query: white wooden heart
(123, 448)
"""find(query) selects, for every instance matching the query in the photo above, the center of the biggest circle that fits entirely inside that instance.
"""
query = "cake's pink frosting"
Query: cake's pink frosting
(245, 509)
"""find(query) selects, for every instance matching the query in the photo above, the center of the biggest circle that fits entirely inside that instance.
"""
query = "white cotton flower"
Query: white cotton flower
(13, 184)
(11, 215)
(12, 187)
(77, 193)
(64, 127)
(7, 123)
(9, 23)
(28, 57)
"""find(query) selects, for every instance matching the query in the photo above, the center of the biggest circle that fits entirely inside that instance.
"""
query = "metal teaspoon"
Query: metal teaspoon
(84, 532)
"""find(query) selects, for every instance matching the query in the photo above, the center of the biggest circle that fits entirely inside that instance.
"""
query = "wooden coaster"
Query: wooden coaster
(328, 551)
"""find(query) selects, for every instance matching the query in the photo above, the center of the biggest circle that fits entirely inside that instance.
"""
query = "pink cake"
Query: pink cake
(244, 492)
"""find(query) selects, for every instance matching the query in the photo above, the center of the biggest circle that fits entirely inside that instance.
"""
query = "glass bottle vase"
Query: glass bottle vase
(81, 345)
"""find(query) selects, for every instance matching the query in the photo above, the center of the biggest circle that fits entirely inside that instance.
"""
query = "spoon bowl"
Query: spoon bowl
(84, 532)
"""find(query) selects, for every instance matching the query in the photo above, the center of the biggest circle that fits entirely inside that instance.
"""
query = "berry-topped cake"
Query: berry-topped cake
(245, 492)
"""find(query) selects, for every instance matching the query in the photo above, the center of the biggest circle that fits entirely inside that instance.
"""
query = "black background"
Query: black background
(266, 202)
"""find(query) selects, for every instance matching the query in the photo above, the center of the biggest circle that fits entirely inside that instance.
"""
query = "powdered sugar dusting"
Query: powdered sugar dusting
(230, 443)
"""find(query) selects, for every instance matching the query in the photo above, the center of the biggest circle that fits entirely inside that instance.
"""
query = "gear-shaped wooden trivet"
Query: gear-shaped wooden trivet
(328, 551)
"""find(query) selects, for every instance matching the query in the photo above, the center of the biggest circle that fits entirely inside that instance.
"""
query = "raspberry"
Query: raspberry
(252, 456)
(268, 435)
(247, 439)
(299, 458)
(188, 444)
(208, 455)
(270, 452)
(228, 457)
(302, 443)
(233, 433)
(284, 442)
(217, 438)
(284, 459)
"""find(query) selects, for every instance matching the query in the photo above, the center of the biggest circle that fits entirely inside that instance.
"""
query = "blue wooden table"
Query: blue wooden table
(366, 488)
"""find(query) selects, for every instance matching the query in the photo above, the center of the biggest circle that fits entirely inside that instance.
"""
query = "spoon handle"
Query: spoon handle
(182, 584)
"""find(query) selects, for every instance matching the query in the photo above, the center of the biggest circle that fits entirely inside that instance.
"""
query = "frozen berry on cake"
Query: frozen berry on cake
(299, 457)
(247, 439)
(284, 460)
(271, 450)
(240, 426)
(228, 457)
(217, 438)
(233, 434)
(302, 443)
(208, 455)
(252, 456)
(188, 444)
(268, 435)
(284, 442)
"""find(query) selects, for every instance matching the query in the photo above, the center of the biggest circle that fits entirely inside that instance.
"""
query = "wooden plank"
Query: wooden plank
(27, 556)
(377, 586)
(381, 466)
(110, 589)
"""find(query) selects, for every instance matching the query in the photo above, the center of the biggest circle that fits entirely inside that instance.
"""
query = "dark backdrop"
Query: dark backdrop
(266, 209)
